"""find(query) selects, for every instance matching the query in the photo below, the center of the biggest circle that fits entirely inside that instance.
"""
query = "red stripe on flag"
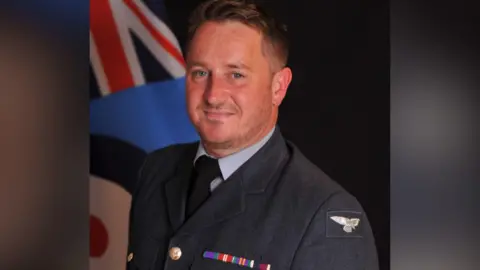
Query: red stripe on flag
(163, 41)
(109, 46)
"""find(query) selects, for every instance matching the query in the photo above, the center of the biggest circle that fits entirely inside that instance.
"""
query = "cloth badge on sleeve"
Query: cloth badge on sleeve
(344, 224)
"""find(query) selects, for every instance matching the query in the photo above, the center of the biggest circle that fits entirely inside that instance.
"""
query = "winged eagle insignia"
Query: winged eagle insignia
(349, 224)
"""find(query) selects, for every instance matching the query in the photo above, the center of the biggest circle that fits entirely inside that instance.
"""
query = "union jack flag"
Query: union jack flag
(131, 44)
(137, 105)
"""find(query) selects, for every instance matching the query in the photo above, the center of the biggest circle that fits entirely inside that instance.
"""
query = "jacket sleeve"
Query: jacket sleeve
(339, 237)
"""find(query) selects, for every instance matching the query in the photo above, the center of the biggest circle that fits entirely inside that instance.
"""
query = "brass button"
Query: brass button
(175, 253)
(130, 257)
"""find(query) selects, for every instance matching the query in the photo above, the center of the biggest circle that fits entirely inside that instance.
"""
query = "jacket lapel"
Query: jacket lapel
(228, 200)
(176, 188)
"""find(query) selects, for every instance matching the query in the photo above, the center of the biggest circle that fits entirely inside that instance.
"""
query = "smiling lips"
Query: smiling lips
(217, 115)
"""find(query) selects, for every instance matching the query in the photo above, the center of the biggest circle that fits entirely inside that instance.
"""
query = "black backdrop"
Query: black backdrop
(337, 107)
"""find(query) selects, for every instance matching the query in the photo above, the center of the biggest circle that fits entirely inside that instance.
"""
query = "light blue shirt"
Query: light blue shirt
(229, 164)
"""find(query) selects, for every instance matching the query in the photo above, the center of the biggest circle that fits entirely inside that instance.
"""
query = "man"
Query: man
(243, 196)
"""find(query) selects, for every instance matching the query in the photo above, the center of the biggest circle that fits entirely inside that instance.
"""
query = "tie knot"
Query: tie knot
(208, 167)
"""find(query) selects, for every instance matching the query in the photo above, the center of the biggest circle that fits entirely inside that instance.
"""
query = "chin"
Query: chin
(215, 133)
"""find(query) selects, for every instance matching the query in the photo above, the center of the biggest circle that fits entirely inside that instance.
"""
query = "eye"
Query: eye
(237, 75)
(199, 73)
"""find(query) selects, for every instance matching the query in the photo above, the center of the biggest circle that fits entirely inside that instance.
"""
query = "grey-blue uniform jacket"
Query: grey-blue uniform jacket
(276, 211)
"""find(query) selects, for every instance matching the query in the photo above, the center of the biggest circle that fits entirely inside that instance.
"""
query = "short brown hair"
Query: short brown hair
(248, 13)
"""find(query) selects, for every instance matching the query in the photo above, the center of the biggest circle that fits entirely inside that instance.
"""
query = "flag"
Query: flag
(137, 105)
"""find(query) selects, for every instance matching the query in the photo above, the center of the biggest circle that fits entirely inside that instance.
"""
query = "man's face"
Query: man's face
(229, 84)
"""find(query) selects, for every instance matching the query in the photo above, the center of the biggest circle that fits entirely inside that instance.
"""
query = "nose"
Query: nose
(215, 93)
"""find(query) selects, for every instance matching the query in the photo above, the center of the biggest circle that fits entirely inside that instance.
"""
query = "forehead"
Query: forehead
(226, 41)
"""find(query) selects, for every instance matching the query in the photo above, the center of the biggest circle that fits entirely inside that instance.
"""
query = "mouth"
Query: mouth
(217, 115)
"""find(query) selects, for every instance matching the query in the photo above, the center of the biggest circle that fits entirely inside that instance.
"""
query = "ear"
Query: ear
(280, 83)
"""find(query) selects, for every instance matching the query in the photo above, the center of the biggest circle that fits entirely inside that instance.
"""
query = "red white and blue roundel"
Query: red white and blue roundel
(137, 105)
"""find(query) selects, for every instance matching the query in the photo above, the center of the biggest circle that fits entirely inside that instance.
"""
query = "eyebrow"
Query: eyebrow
(196, 64)
(237, 65)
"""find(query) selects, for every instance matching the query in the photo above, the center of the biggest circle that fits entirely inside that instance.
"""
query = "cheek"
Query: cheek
(194, 95)
(249, 103)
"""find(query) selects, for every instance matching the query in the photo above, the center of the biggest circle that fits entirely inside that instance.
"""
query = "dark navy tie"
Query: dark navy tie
(205, 170)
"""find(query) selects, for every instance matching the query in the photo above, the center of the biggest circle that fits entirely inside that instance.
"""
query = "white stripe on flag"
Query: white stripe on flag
(159, 24)
(167, 60)
(98, 68)
(120, 11)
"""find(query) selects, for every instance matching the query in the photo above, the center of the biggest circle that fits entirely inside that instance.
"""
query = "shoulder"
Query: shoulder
(334, 220)
(163, 161)
(316, 187)
(170, 155)
(323, 200)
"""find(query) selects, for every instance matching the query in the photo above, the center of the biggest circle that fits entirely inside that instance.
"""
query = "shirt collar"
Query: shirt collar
(229, 164)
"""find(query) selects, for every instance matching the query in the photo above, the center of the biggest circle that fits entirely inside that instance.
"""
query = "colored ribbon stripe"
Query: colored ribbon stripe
(234, 260)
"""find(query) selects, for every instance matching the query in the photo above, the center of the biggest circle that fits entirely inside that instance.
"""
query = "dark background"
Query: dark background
(337, 107)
